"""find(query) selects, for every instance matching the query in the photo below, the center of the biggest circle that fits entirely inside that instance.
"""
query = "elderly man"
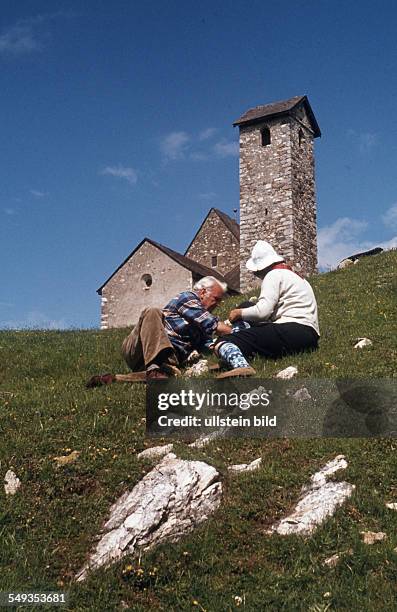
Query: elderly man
(163, 338)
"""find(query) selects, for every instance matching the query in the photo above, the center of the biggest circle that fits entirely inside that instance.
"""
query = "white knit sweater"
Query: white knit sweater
(285, 298)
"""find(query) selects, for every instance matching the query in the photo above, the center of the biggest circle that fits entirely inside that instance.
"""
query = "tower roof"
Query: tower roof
(276, 109)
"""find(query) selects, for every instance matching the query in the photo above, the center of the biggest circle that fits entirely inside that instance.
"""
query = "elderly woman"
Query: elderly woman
(283, 321)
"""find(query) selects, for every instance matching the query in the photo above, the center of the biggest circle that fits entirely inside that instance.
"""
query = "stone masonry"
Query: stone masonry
(127, 293)
(216, 242)
(277, 189)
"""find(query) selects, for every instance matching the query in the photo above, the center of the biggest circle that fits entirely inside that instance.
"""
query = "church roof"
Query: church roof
(195, 267)
(230, 223)
(276, 109)
(232, 278)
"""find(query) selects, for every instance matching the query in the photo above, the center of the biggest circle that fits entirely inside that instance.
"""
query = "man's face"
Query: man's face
(211, 296)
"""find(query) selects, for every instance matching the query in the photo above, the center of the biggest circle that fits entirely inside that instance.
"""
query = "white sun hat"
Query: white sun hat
(263, 255)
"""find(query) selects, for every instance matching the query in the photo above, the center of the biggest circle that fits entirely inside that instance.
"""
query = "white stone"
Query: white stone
(12, 483)
(320, 500)
(362, 343)
(392, 506)
(288, 373)
(320, 477)
(370, 537)
(197, 369)
(302, 395)
(332, 561)
(155, 452)
(203, 440)
(170, 501)
(246, 467)
(345, 263)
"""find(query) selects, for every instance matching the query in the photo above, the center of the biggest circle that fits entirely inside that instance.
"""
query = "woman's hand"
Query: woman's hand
(235, 315)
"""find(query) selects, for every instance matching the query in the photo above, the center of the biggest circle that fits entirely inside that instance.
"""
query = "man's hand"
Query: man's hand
(235, 315)
(223, 329)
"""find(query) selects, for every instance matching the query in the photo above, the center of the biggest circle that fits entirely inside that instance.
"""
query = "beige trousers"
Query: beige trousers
(148, 338)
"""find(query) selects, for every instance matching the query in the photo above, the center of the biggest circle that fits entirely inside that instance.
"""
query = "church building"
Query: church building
(277, 204)
(152, 273)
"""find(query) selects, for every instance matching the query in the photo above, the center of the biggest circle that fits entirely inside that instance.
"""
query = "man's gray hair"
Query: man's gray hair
(207, 282)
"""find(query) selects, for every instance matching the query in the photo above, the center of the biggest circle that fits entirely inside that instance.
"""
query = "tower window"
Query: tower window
(146, 281)
(214, 261)
(265, 136)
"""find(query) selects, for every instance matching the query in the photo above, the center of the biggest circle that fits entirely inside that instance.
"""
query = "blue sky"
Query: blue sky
(116, 123)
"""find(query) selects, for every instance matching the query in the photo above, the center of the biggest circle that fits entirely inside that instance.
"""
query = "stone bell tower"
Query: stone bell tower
(277, 185)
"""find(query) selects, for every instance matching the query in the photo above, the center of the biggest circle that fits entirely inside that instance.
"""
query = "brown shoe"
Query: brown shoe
(99, 380)
(238, 372)
(156, 374)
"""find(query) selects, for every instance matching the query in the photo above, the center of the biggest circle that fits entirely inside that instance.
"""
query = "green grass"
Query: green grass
(49, 526)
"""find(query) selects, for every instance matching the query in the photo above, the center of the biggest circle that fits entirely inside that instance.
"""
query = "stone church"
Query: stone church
(277, 203)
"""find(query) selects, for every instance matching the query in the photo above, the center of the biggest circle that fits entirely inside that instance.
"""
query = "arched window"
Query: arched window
(146, 281)
(265, 136)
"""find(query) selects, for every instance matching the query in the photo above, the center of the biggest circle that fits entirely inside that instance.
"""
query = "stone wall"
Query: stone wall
(215, 239)
(127, 292)
(277, 199)
(303, 196)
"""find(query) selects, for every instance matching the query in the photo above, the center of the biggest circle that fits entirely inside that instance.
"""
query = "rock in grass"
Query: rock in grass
(392, 506)
(345, 263)
(197, 369)
(155, 452)
(302, 395)
(204, 440)
(362, 343)
(319, 500)
(370, 537)
(170, 501)
(288, 373)
(332, 561)
(66, 459)
(246, 467)
(12, 483)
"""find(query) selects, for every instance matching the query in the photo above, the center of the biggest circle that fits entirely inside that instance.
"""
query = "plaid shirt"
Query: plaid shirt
(187, 323)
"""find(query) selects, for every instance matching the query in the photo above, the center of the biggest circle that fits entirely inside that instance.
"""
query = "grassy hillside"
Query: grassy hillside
(48, 527)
